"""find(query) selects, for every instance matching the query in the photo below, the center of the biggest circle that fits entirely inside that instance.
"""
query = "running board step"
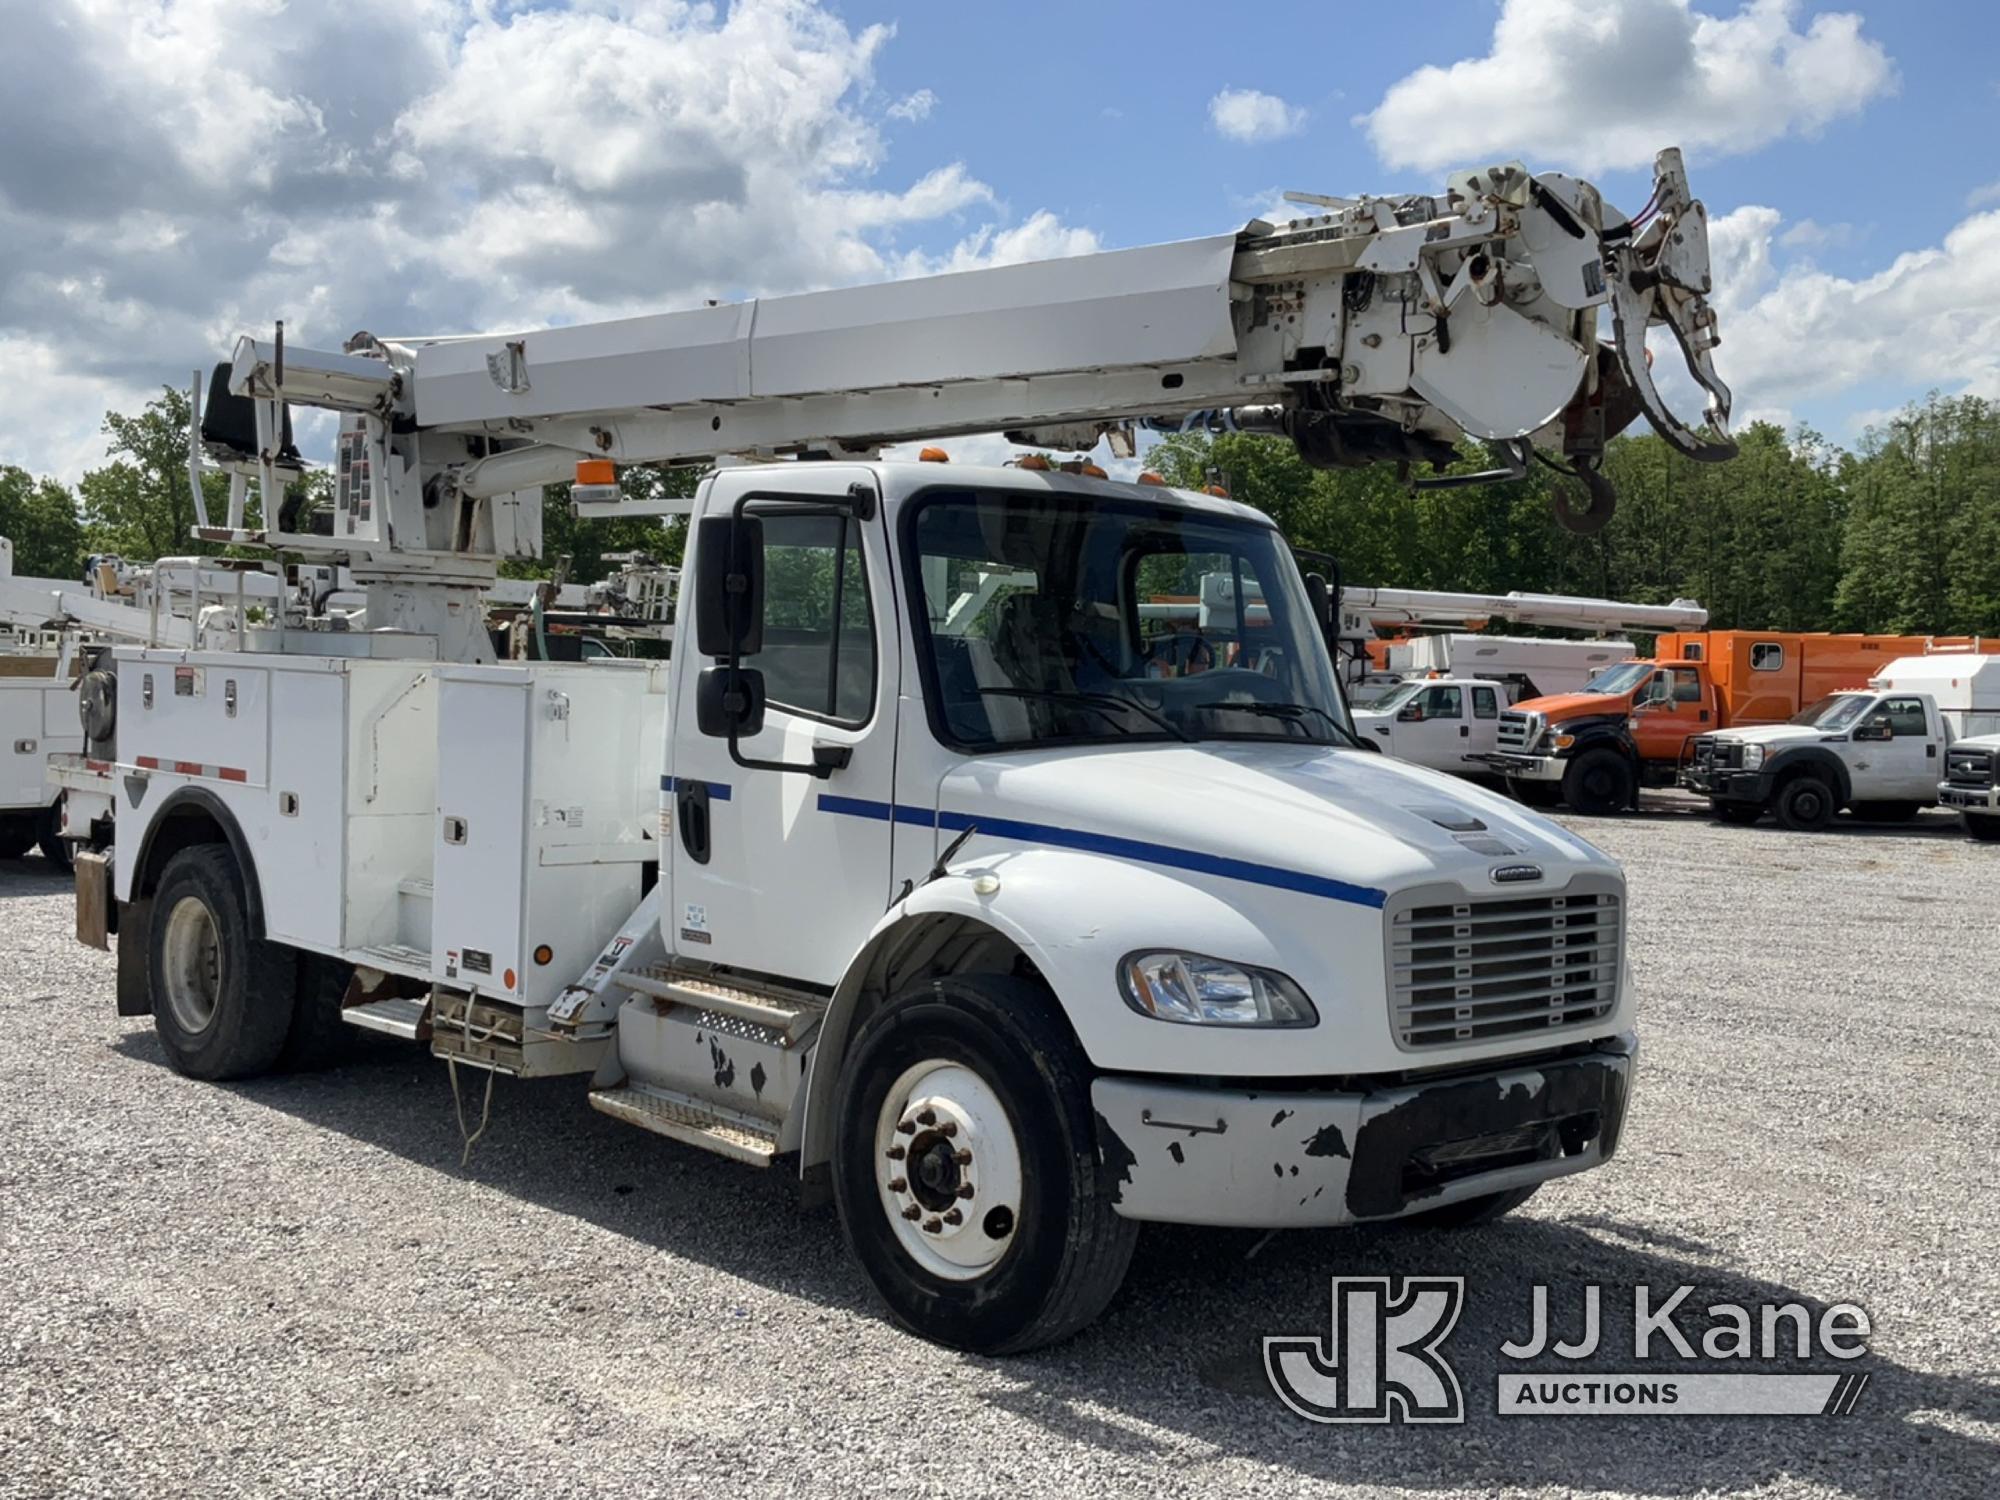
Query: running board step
(686, 1120)
(788, 1012)
(396, 1016)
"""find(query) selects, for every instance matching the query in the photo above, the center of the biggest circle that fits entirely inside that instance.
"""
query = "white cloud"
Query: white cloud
(1605, 83)
(1248, 115)
(179, 171)
(1982, 197)
(1791, 336)
(1810, 234)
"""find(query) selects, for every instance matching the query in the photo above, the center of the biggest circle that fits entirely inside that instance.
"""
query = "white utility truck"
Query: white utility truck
(1015, 925)
(1972, 785)
(1884, 751)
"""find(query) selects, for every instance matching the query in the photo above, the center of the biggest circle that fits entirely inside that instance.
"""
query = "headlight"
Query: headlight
(1198, 991)
(1753, 757)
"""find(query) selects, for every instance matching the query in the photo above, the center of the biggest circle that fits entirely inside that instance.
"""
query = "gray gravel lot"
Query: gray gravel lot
(291, 1287)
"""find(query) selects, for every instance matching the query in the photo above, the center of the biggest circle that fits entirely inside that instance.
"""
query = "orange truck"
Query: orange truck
(1634, 724)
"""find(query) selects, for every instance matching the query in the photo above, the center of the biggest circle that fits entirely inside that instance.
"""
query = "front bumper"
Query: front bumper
(1729, 784)
(1525, 767)
(1186, 1154)
(1974, 798)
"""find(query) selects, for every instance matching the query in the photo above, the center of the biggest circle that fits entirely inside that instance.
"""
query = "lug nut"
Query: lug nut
(933, 1226)
(927, 1117)
(897, 1185)
(962, 1156)
(953, 1216)
(896, 1153)
(904, 1127)
(913, 1212)
(948, 1129)
(965, 1190)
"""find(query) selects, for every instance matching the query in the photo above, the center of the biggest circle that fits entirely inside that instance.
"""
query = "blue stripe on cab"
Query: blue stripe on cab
(1138, 850)
(718, 791)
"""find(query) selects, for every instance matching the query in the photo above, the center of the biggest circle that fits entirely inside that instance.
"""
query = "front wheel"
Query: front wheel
(966, 1167)
(1983, 826)
(1599, 783)
(1806, 804)
(222, 999)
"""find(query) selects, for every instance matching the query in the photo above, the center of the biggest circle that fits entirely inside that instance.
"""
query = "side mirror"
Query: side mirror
(1874, 730)
(1320, 597)
(1411, 713)
(729, 702)
(729, 588)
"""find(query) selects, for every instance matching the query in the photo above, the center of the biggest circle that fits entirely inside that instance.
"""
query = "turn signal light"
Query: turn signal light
(1147, 476)
(596, 471)
(544, 955)
(933, 456)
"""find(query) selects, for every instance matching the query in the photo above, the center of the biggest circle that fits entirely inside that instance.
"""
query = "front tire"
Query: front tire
(966, 1168)
(222, 999)
(1983, 826)
(1806, 804)
(1599, 784)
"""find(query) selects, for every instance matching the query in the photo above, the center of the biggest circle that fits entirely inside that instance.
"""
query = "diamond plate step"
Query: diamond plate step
(685, 1120)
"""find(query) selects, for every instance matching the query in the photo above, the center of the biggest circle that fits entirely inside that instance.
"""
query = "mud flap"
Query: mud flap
(93, 899)
(135, 983)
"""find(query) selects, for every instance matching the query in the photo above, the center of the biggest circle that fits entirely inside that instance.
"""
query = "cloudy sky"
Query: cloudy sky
(173, 172)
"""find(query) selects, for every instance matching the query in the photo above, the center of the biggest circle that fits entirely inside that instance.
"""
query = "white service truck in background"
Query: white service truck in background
(1884, 751)
(1015, 926)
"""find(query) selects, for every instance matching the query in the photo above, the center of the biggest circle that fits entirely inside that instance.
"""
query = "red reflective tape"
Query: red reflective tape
(103, 767)
(230, 773)
(188, 767)
(149, 763)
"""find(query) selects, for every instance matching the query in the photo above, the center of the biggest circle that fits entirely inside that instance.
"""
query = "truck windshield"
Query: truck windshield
(1834, 712)
(1059, 619)
(1620, 679)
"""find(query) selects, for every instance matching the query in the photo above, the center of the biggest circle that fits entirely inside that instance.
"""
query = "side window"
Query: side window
(1687, 687)
(1485, 703)
(1906, 718)
(1443, 703)
(1691, 651)
(819, 632)
(1767, 656)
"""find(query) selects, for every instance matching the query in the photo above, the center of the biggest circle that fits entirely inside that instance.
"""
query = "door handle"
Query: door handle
(691, 816)
(1464, 731)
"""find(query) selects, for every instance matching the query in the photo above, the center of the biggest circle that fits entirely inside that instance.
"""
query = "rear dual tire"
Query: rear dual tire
(222, 998)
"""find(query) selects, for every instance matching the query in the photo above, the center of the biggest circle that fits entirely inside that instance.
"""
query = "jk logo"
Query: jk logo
(1381, 1362)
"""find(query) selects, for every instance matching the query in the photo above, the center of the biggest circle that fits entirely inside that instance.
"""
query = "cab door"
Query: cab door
(776, 871)
(1670, 710)
(1896, 754)
(1431, 728)
(1482, 724)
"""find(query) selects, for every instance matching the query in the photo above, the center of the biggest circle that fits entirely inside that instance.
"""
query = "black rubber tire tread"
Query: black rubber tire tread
(1470, 1212)
(49, 839)
(253, 1012)
(18, 832)
(1541, 795)
(1615, 800)
(1013, 1033)
(1806, 803)
(318, 1038)
(1984, 827)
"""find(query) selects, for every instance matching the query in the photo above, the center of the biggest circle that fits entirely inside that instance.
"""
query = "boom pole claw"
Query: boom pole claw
(1662, 276)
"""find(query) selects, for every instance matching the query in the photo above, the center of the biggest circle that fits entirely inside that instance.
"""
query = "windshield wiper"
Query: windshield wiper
(1098, 702)
(1295, 712)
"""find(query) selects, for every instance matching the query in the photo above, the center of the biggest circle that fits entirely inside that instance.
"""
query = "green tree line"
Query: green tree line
(1901, 533)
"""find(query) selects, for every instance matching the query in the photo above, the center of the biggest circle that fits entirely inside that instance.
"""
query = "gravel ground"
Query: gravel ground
(290, 1287)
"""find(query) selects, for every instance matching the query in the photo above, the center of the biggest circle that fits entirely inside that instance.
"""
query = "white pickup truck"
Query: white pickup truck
(1972, 785)
(1882, 750)
(1445, 723)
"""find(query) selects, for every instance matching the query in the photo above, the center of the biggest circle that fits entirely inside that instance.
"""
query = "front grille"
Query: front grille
(1466, 968)
(1712, 754)
(1970, 768)
(1516, 732)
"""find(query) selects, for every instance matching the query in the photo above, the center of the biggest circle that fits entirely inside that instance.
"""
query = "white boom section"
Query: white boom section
(1383, 329)
(1388, 608)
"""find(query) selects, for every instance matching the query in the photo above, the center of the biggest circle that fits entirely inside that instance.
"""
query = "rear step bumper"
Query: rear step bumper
(1301, 1160)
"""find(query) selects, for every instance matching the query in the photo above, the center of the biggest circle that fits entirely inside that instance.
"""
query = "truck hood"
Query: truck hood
(1773, 735)
(1560, 707)
(1320, 814)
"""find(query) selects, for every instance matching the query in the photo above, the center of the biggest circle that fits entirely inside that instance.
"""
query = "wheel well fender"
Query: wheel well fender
(193, 815)
(1600, 735)
(1789, 765)
(938, 929)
